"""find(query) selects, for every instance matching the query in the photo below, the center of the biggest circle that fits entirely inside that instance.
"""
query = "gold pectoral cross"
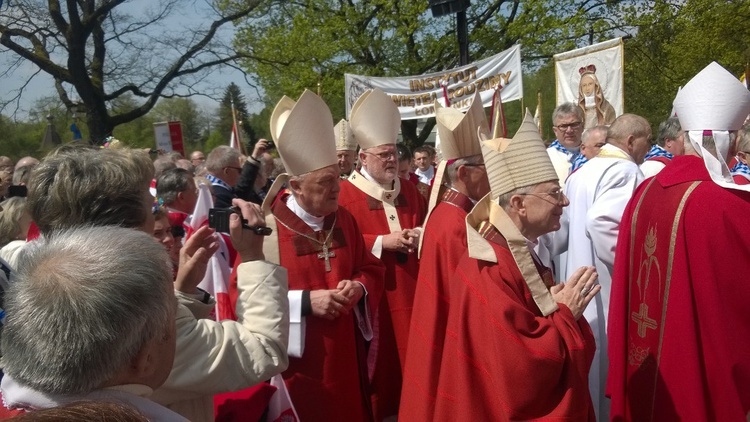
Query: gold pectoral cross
(327, 255)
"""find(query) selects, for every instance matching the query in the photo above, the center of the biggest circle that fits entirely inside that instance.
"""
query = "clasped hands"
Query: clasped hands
(578, 291)
(405, 241)
(330, 304)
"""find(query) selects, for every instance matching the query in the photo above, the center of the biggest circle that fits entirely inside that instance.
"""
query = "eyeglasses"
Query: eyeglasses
(384, 156)
(239, 169)
(557, 195)
(474, 165)
(564, 127)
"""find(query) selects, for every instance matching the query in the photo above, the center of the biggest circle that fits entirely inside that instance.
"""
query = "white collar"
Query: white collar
(18, 396)
(315, 223)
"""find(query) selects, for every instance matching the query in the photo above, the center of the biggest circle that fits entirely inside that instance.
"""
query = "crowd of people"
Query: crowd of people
(597, 277)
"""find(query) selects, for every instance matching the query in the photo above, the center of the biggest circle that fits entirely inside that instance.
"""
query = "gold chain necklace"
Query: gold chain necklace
(326, 254)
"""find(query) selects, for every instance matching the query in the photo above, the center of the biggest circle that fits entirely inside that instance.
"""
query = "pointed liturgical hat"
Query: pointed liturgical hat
(458, 130)
(344, 137)
(375, 119)
(518, 162)
(303, 133)
(713, 100)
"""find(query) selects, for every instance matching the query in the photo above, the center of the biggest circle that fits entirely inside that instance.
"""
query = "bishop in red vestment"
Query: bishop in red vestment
(516, 347)
(329, 381)
(388, 210)
(679, 333)
(461, 181)
(334, 280)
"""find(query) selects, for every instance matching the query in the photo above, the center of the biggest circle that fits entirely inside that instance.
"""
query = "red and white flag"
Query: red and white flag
(216, 280)
(234, 139)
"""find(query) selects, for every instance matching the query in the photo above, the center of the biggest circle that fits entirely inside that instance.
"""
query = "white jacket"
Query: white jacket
(209, 359)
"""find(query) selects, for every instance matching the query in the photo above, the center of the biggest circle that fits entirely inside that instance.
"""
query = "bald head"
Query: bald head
(26, 161)
(632, 134)
(6, 163)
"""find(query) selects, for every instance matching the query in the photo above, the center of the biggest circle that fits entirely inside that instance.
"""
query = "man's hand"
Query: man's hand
(352, 290)
(405, 241)
(248, 244)
(328, 304)
(578, 291)
(194, 257)
(260, 147)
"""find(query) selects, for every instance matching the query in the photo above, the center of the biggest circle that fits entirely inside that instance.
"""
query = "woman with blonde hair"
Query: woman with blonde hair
(14, 224)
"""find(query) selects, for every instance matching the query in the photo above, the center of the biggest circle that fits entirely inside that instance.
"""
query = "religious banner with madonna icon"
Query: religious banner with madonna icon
(592, 77)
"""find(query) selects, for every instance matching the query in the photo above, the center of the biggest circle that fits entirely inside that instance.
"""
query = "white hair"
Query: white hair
(83, 304)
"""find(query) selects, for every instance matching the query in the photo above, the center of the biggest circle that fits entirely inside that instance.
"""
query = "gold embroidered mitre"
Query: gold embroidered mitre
(303, 132)
(518, 162)
(458, 130)
(344, 136)
(375, 119)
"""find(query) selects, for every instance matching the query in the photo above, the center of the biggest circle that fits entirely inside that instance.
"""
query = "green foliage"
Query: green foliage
(311, 44)
(674, 42)
(224, 120)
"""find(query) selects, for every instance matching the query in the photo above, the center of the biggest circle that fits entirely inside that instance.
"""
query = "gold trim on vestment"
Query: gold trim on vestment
(271, 243)
(606, 153)
(387, 197)
(672, 242)
(435, 196)
(650, 248)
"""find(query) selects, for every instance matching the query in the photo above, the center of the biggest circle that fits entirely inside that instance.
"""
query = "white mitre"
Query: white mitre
(375, 119)
(714, 102)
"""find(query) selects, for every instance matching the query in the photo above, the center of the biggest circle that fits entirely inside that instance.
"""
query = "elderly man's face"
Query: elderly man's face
(568, 129)
(639, 147)
(345, 160)
(676, 146)
(543, 209)
(197, 158)
(318, 192)
(593, 143)
(477, 183)
(381, 163)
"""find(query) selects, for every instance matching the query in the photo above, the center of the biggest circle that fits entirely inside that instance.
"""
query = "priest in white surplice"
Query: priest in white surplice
(599, 192)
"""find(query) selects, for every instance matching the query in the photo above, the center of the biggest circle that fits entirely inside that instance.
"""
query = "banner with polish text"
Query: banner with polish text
(416, 95)
(592, 77)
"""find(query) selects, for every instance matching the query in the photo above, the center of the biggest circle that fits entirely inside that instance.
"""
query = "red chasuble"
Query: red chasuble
(329, 382)
(679, 330)
(394, 313)
(501, 359)
(444, 244)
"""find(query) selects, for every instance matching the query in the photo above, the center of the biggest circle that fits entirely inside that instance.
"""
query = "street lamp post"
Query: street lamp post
(449, 7)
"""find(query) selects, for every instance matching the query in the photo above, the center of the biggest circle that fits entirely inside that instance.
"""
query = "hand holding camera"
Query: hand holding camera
(247, 236)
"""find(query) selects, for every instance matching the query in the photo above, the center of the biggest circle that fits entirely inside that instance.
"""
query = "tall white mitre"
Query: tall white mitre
(303, 133)
(344, 136)
(716, 101)
(375, 119)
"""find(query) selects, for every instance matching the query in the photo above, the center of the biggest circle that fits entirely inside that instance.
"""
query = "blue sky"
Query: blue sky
(190, 15)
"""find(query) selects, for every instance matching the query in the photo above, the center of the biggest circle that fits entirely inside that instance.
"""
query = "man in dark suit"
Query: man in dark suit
(224, 170)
